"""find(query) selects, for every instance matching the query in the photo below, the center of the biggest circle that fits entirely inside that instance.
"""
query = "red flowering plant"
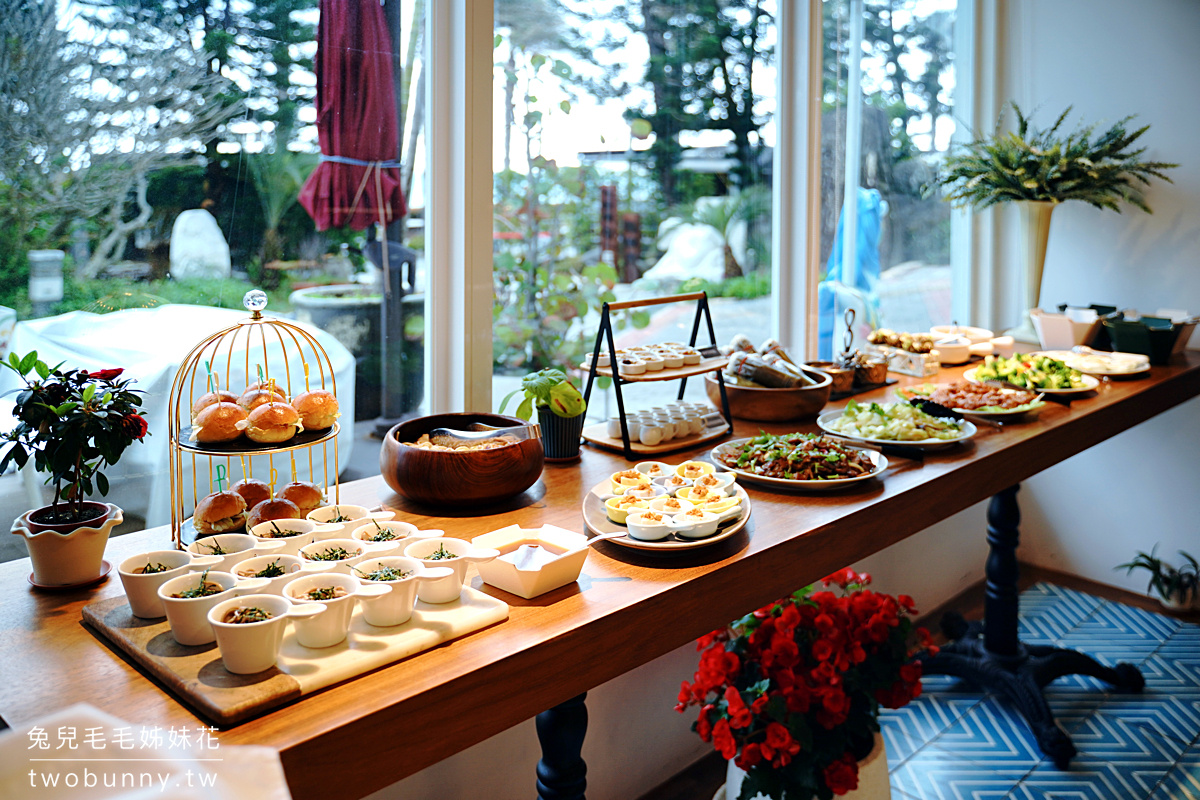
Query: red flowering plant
(72, 423)
(792, 692)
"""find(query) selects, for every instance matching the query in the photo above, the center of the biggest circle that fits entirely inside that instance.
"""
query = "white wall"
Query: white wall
(1109, 58)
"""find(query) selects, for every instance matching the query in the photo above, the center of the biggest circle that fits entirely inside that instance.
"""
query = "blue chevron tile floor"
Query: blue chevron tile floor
(953, 743)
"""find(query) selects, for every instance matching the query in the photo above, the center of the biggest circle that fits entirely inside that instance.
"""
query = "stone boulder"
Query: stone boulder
(198, 248)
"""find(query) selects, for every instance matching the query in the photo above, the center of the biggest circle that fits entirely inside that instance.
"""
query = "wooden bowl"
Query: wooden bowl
(773, 405)
(473, 478)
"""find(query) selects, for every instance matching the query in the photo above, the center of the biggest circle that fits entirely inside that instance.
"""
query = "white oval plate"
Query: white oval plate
(597, 520)
(1089, 383)
(968, 430)
(1074, 360)
(1037, 405)
(878, 459)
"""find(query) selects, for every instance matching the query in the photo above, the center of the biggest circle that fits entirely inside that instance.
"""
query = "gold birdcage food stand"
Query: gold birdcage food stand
(268, 351)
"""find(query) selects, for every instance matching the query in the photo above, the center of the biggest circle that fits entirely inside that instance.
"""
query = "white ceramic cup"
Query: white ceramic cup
(250, 647)
(395, 607)
(695, 422)
(232, 548)
(291, 566)
(682, 428)
(670, 505)
(265, 533)
(613, 427)
(141, 588)
(448, 589)
(188, 616)
(634, 424)
(356, 549)
(667, 427)
(693, 527)
(388, 531)
(642, 527)
(331, 627)
(650, 435)
(352, 516)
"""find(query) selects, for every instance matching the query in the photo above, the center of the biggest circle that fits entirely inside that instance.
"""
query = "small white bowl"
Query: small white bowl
(648, 526)
(696, 494)
(631, 365)
(673, 359)
(396, 606)
(653, 362)
(647, 492)
(233, 548)
(718, 480)
(306, 531)
(670, 505)
(141, 588)
(690, 526)
(448, 589)
(188, 616)
(331, 627)
(654, 469)
(356, 550)
(528, 572)
(690, 357)
(694, 469)
(292, 567)
(386, 531)
(673, 483)
(976, 335)
(953, 350)
(351, 517)
(250, 647)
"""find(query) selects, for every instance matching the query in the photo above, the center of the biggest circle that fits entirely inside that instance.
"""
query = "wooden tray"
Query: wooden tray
(197, 675)
(598, 435)
(705, 365)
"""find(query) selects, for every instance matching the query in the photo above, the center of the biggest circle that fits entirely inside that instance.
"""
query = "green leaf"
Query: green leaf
(102, 483)
(565, 105)
(525, 410)
(89, 392)
(28, 361)
(497, 40)
(640, 319)
(42, 370)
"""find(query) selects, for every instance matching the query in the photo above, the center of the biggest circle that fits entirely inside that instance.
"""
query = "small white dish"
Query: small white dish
(976, 335)
(532, 561)
(694, 469)
(345, 516)
(141, 587)
(953, 350)
(328, 628)
(629, 365)
(395, 607)
(445, 551)
(280, 530)
(654, 469)
(233, 548)
(262, 567)
(342, 554)
(673, 483)
(695, 524)
(188, 616)
(690, 357)
(670, 505)
(653, 362)
(697, 493)
(648, 526)
(716, 480)
(673, 359)
(251, 647)
(647, 491)
(388, 531)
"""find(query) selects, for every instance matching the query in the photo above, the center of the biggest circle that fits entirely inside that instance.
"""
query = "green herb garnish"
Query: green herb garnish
(325, 593)
(279, 534)
(215, 548)
(241, 616)
(337, 516)
(272, 570)
(384, 535)
(384, 574)
(441, 554)
(202, 589)
(150, 569)
(331, 554)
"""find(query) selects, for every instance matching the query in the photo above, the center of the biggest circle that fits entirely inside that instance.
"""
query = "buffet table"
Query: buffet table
(627, 608)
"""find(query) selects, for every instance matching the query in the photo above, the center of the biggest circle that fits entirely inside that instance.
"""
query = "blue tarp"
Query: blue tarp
(871, 209)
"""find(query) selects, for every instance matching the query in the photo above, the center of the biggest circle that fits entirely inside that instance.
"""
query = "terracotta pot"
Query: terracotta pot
(73, 556)
(872, 778)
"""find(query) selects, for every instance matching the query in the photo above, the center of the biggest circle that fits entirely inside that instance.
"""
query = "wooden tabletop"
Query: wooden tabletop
(627, 608)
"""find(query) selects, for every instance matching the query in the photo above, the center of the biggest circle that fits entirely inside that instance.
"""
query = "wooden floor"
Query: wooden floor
(701, 780)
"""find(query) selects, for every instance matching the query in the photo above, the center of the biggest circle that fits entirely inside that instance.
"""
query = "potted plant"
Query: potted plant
(560, 409)
(791, 693)
(1177, 587)
(1041, 169)
(73, 424)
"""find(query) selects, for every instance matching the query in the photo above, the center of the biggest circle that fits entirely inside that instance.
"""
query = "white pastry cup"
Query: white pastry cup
(662, 506)
(361, 551)
(645, 529)
(141, 589)
(395, 607)
(188, 616)
(237, 546)
(291, 544)
(292, 566)
(447, 589)
(722, 480)
(331, 627)
(355, 517)
(250, 647)
(672, 488)
(647, 468)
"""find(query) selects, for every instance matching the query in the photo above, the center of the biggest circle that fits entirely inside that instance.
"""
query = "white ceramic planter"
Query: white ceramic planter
(68, 559)
(872, 778)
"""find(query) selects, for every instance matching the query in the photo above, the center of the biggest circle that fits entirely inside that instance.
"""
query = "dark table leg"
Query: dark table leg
(990, 655)
(562, 773)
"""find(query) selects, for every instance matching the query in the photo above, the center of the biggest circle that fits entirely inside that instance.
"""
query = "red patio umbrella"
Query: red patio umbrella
(357, 182)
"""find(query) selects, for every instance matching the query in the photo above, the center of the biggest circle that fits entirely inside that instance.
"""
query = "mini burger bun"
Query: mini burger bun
(270, 386)
(220, 422)
(268, 510)
(306, 496)
(271, 423)
(207, 400)
(220, 512)
(252, 490)
(253, 398)
(318, 409)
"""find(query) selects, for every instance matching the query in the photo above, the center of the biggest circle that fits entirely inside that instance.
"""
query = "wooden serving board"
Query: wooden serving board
(598, 435)
(197, 675)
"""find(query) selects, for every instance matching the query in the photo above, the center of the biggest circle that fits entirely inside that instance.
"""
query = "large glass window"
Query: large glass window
(887, 117)
(632, 156)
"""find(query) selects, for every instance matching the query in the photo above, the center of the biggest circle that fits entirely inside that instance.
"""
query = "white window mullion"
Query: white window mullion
(458, 304)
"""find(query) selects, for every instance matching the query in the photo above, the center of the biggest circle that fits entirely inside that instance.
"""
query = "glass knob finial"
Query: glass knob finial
(255, 300)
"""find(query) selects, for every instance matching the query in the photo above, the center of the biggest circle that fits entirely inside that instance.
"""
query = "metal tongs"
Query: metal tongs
(448, 437)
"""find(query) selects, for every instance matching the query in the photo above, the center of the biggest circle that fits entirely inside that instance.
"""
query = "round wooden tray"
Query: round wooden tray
(597, 520)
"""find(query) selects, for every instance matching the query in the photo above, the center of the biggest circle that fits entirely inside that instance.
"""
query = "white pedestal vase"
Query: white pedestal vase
(1035, 235)
(71, 558)
(872, 778)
